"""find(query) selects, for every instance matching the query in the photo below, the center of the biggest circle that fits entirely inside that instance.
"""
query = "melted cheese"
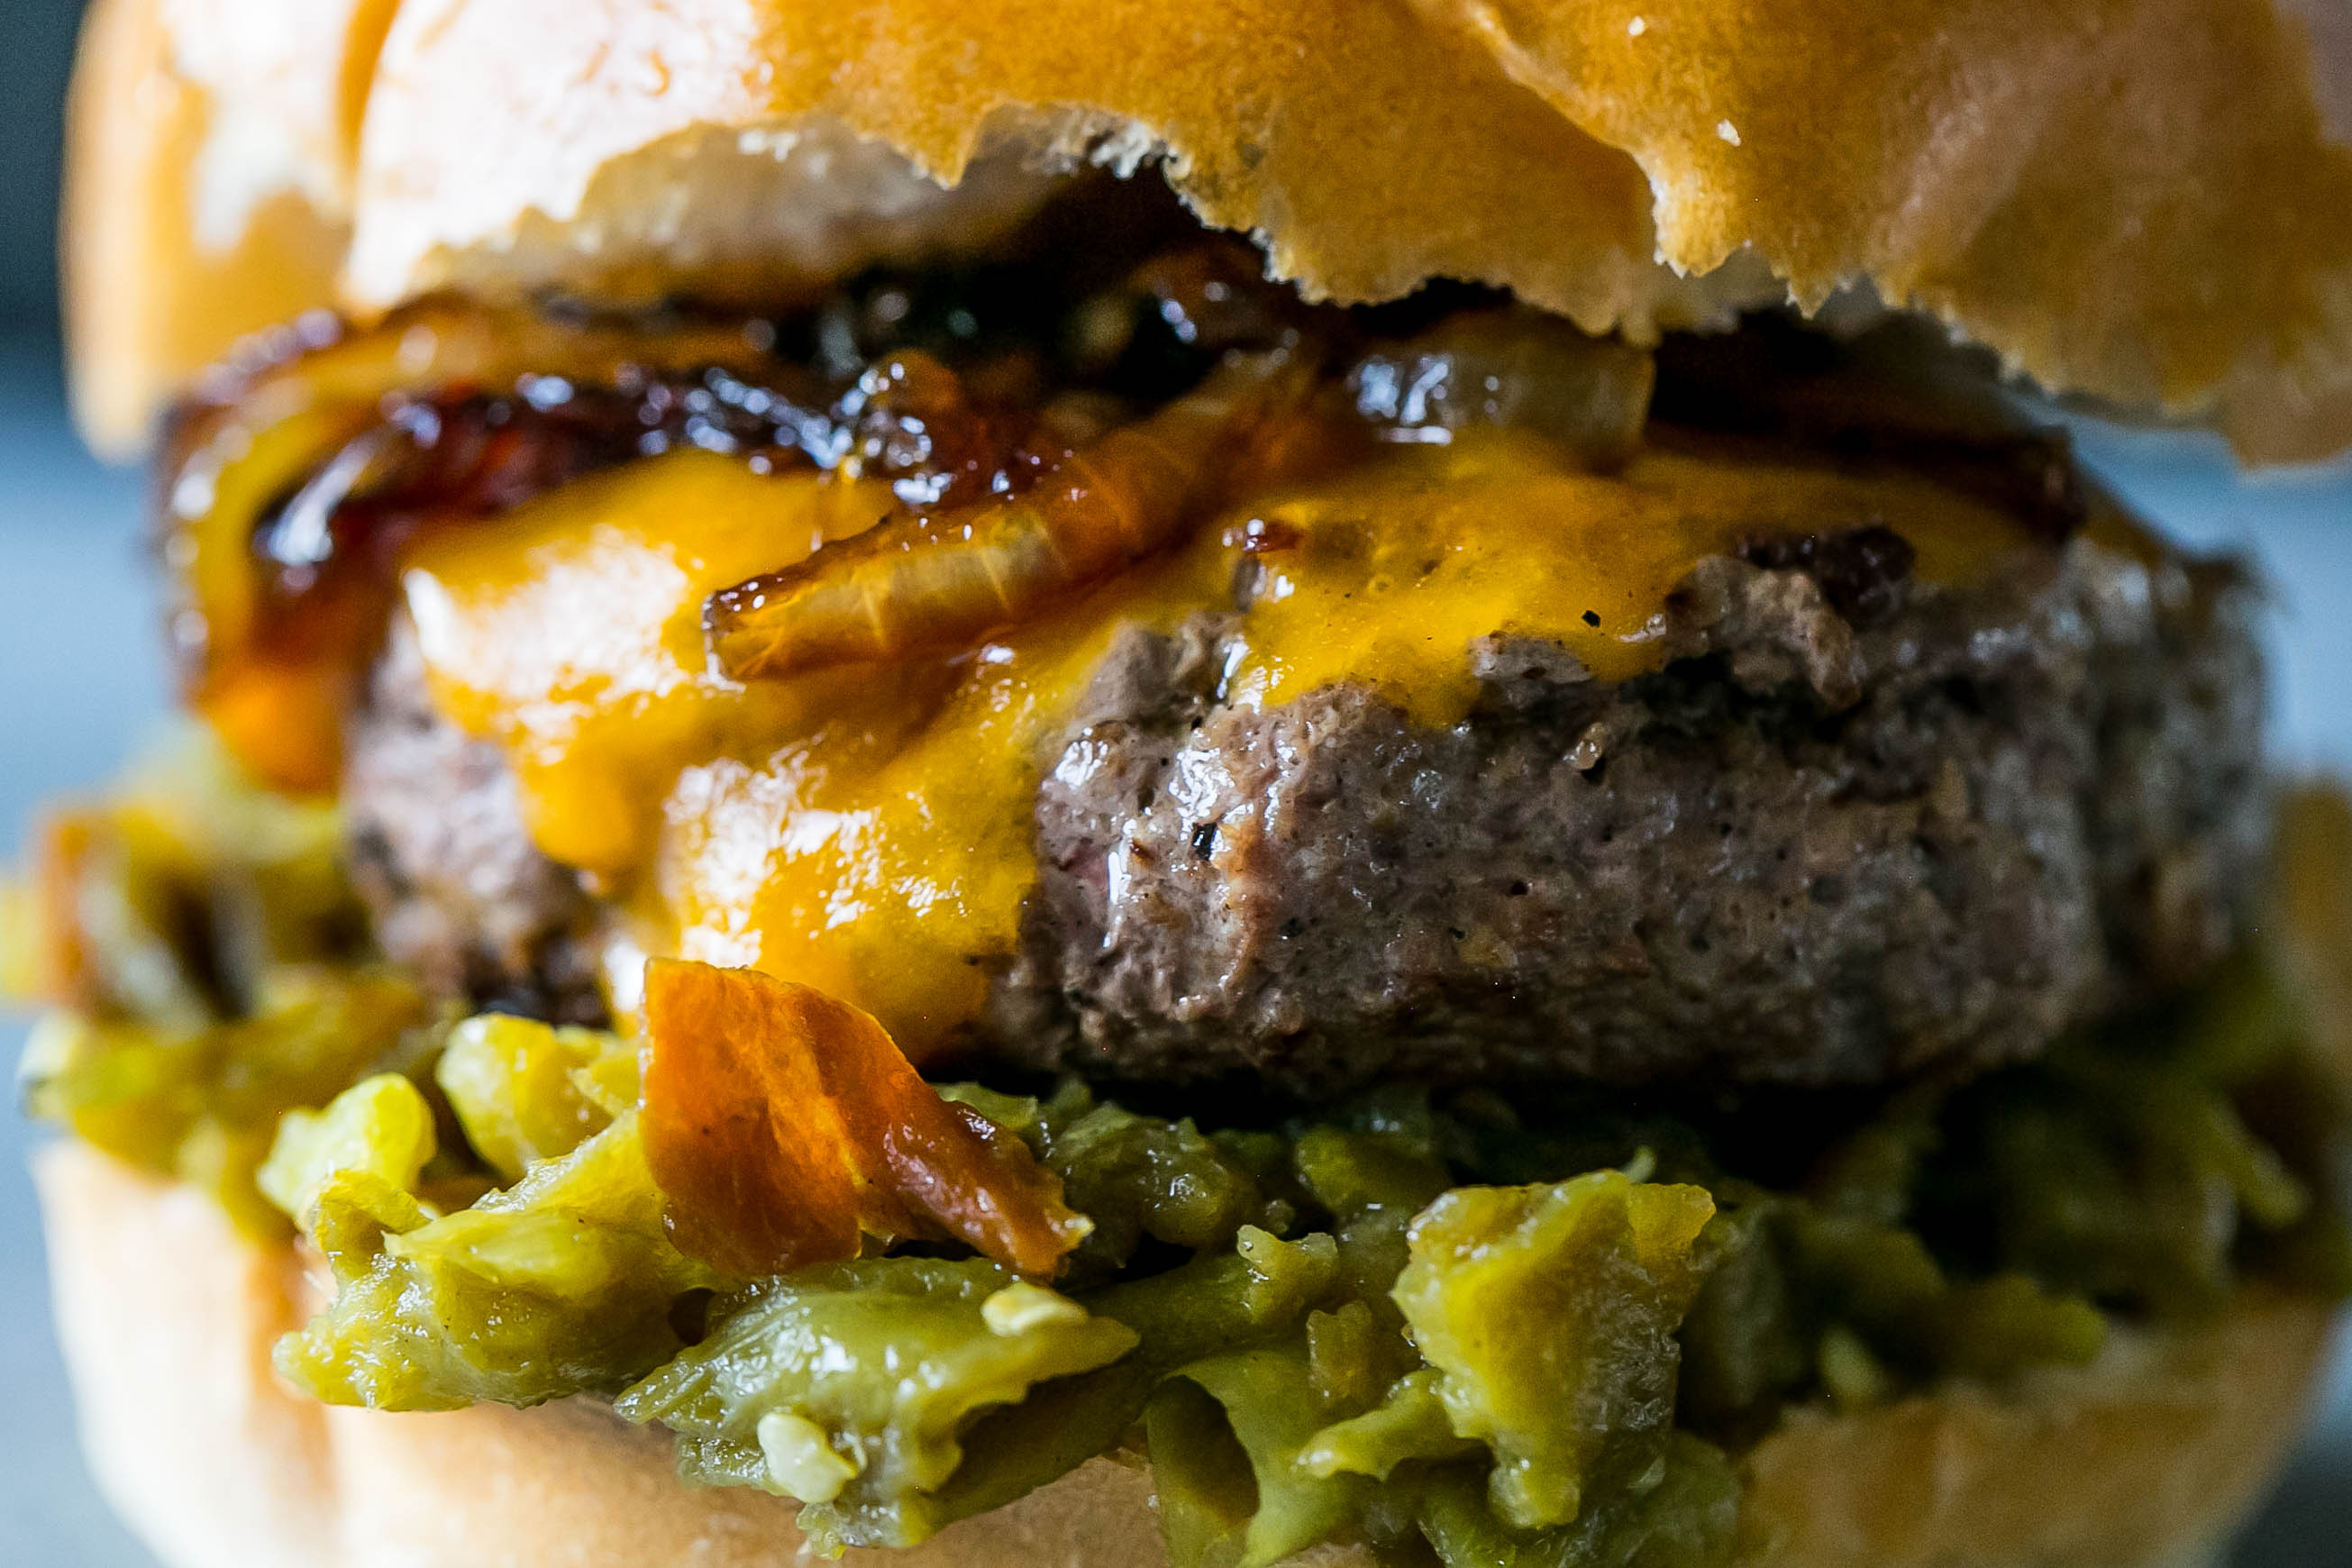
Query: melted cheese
(1398, 570)
(570, 632)
(883, 859)
(870, 832)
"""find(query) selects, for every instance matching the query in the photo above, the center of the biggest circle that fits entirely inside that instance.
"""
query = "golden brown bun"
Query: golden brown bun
(2145, 200)
(209, 145)
(2146, 1458)
(2149, 201)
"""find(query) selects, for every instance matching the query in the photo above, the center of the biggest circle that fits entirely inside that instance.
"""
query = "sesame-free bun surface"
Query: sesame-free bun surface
(209, 152)
(2145, 1459)
(2148, 201)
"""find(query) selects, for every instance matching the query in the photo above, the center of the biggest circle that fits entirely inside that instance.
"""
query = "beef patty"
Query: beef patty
(1824, 845)
(437, 846)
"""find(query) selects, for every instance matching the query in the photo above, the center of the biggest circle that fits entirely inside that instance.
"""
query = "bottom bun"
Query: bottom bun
(2145, 1459)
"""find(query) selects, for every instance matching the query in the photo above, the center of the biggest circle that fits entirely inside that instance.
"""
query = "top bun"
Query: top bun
(2145, 201)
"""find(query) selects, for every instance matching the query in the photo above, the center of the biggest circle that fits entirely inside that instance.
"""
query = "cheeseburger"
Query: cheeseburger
(1110, 784)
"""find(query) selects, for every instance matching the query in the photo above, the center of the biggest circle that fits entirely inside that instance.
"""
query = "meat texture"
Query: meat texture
(438, 849)
(1931, 832)
(1858, 828)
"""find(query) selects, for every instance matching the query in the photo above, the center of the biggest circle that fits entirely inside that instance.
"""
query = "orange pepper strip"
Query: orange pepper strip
(781, 1125)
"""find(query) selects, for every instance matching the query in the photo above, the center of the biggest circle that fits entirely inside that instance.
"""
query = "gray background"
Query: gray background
(80, 683)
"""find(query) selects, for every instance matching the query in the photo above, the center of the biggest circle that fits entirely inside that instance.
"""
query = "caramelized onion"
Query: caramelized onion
(297, 482)
(1510, 367)
(783, 1126)
(1896, 396)
(934, 581)
(294, 478)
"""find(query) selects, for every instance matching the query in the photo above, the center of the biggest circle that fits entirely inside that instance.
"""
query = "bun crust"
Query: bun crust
(2146, 202)
(2143, 1460)
(206, 192)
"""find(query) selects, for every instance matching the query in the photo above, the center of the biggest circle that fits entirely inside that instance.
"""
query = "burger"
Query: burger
(1012, 783)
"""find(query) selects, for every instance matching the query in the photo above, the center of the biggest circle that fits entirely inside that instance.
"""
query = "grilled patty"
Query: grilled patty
(437, 849)
(1856, 829)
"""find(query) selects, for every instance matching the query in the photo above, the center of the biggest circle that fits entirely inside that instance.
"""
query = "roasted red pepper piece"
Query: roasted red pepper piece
(783, 1125)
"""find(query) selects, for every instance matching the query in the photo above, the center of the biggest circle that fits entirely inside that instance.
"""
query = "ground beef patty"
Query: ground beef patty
(1810, 851)
(1824, 845)
(438, 851)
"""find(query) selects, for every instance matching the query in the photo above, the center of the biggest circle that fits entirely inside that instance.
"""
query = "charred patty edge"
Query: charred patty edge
(1928, 835)
(1812, 849)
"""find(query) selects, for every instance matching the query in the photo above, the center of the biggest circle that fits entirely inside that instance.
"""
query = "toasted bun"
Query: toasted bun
(2155, 1452)
(2149, 201)
(208, 156)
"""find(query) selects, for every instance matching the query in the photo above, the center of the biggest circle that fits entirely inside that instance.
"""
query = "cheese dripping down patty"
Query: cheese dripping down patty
(866, 828)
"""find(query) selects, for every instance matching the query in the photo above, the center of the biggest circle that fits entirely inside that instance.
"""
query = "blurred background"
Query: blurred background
(82, 683)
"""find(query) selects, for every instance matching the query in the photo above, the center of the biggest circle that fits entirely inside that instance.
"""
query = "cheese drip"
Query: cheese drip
(868, 831)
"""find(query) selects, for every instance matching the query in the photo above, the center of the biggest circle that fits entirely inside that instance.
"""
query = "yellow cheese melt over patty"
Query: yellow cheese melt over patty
(869, 831)
(571, 633)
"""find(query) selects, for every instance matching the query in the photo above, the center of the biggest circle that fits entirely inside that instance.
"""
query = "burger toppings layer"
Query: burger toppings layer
(1429, 922)
(1467, 1321)
(1059, 669)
